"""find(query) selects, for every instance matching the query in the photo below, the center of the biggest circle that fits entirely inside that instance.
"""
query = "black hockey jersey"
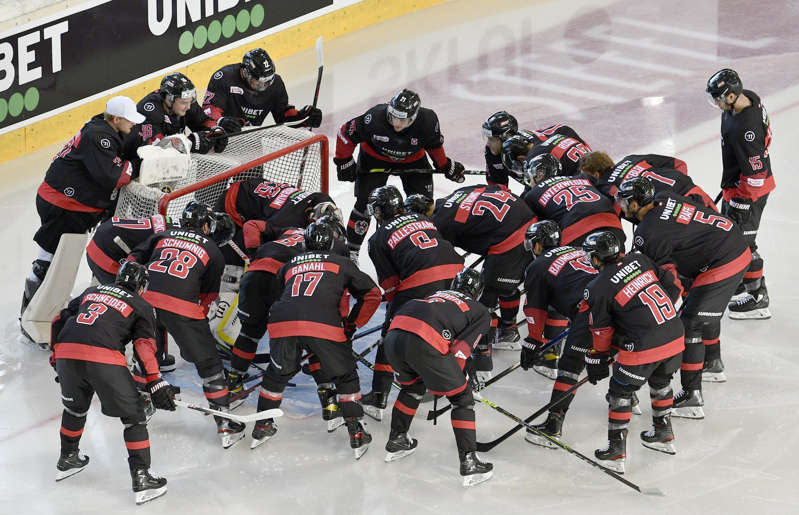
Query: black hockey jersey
(691, 240)
(483, 219)
(378, 138)
(745, 138)
(274, 254)
(107, 253)
(497, 174)
(159, 124)
(448, 320)
(87, 173)
(96, 325)
(556, 278)
(634, 298)
(567, 148)
(313, 286)
(185, 270)
(408, 251)
(281, 204)
(575, 204)
(228, 95)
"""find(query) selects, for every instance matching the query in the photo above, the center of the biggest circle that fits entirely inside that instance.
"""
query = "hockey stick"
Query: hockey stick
(718, 197)
(367, 332)
(476, 262)
(121, 244)
(258, 415)
(305, 150)
(611, 473)
(293, 123)
(400, 171)
(433, 414)
(371, 366)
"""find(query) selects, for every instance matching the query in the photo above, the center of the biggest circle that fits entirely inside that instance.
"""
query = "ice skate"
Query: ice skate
(263, 431)
(552, 427)
(547, 365)
(660, 437)
(473, 471)
(399, 445)
(508, 339)
(636, 405)
(166, 363)
(147, 487)
(331, 413)
(228, 430)
(359, 438)
(753, 306)
(235, 385)
(69, 464)
(615, 454)
(713, 371)
(688, 404)
(374, 404)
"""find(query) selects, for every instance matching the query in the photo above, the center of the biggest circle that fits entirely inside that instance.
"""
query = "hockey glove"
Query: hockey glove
(530, 352)
(453, 171)
(161, 394)
(349, 330)
(740, 210)
(219, 138)
(230, 124)
(200, 144)
(314, 115)
(346, 169)
(597, 365)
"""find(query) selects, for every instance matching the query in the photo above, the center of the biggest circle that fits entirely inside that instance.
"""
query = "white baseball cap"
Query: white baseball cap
(125, 108)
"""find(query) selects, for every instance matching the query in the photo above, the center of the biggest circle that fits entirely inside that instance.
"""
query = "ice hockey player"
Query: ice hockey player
(185, 267)
(560, 141)
(245, 93)
(259, 290)
(171, 110)
(392, 136)
(746, 179)
(557, 277)
(633, 299)
(411, 261)
(491, 221)
(307, 316)
(419, 204)
(702, 246)
(428, 343)
(82, 183)
(88, 342)
(666, 173)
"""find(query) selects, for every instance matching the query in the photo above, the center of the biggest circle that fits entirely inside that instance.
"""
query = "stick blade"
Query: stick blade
(653, 491)
(319, 50)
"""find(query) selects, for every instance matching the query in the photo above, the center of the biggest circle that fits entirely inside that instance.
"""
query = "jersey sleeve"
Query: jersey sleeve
(600, 321)
(144, 341)
(659, 250)
(101, 158)
(387, 275)
(751, 157)
(349, 136)
(536, 302)
(142, 252)
(197, 120)
(478, 325)
(61, 318)
(367, 295)
(434, 140)
(215, 99)
(209, 284)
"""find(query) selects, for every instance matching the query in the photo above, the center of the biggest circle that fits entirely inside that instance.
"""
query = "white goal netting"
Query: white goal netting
(210, 174)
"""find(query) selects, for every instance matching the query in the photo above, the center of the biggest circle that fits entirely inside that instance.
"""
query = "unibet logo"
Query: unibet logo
(160, 13)
(19, 60)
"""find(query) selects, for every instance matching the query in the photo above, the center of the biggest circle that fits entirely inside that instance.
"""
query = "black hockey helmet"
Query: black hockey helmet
(500, 125)
(513, 147)
(196, 215)
(325, 208)
(419, 204)
(339, 232)
(639, 189)
(176, 85)
(223, 228)
(258, 68)
(722, 83)
(545, 232)
(540, 167)
(319, 236)
(403, 106)
(469, 282)
(132, 276)
(603, 245)
(385, 203)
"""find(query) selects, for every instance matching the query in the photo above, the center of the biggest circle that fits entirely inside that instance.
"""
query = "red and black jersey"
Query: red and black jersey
(281, 204)
(408, 251)
(106, 253)
(635, 298)
(159, 124)
(483, 219)
(745, 138)
(229, 95)
(96, 325)
(86, 174)
(313, 286)
(574, 203)
(291, 243)
(185, 270)
(694, 241)
(556, 278)
(565, 145)
(497, 174)
(378, 138)
(448, 320)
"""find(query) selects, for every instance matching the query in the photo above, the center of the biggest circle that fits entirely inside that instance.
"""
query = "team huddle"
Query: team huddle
(635, 312)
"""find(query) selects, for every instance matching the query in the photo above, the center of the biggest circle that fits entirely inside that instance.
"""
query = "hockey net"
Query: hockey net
(280, 154)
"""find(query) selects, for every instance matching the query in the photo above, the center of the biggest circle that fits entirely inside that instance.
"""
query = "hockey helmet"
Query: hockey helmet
(470, 282)
(419, 204)
(513, 147)
(339, 232)
(500, 125)
(603, 245)
(319, 236)
(132, 276)
(196, 215)
(258, 68)
(540, 167)
(545, 232)
(325, 208)
(223, 228)
(721, 84)
(402, 109)
(639, 189)
(176, 85)
(385, 203)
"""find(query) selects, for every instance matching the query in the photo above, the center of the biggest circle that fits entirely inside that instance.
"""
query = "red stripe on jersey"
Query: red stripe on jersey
(696, 191)
(465, 205)
(562, 146)
(71, 434)
(632, 288)
(230, 203)
(174, 305)
(431, 275)
(101, 259)
(601, 337)
(512, 241)
(757, 274)
(726, 271)
(83, 352)
(371, 301)
(190, 246)
(680, 166)
(312, 266)
(403, 408)
(268, 264)
(422, 329)
(419, 154)
(306, 328)
(463, 424)
(589, 224)
(251, 233)
(751, 187)
(244, 355)
(438, 155)
(137, 446)
(118, 305)
(536, 321)
(456, 391)
(658, 353)
(58, 199)
(145, 348)
(557, 322)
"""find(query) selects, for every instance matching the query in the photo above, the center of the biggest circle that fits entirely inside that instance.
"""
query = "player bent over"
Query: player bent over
(89, 338)
(307, 316)
(633, 298)
(428, 344)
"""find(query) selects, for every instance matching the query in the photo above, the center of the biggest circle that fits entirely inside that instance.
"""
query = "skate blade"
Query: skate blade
(549, 373)
(167, 368)
(229, 440)
(507, 346)
(665, 447)
(616, 466)
(394, 456)
(256, 442)
(63, 474)
(754, 314)
(334, 424)
(714, 377)
(360, 451)
(539, 440)
(695, 412)
(375, 413)
(148, 495)
(637, 409)
(476, 479)
(235, 404)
